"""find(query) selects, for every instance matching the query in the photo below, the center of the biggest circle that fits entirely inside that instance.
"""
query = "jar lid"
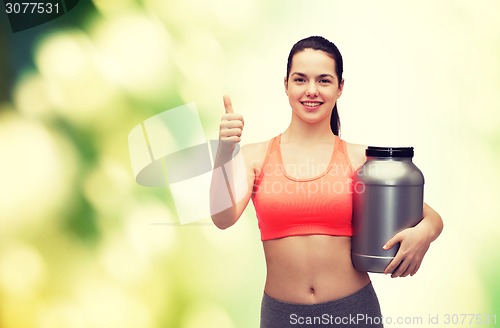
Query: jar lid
(389, 151)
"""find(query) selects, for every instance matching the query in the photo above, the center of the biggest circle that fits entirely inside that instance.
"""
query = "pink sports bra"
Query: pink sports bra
(288, 206)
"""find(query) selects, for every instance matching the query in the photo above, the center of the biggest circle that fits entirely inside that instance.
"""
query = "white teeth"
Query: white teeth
(311, 104)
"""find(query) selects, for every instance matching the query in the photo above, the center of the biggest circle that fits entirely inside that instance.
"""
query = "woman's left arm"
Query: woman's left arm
(414, 243)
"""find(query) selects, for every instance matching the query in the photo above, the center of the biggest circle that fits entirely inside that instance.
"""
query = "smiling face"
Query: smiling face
(312, 86)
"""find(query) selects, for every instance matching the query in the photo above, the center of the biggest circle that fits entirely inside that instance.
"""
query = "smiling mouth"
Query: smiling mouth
(311, 103)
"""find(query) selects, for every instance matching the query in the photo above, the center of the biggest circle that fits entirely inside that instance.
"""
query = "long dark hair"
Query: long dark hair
(320, 43)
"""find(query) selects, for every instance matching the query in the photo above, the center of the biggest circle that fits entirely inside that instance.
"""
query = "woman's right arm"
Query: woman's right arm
(232, 178)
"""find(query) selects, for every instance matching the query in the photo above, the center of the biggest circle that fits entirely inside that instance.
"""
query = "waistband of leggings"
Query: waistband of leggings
(279, 304)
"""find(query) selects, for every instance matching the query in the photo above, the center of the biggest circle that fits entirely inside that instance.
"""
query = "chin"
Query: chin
(312, 118)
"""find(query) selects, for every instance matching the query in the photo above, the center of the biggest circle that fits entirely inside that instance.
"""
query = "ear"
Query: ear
(286, 85)
(341, 88)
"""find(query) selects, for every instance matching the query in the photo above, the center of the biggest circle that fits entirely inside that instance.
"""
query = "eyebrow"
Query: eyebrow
(319, 76)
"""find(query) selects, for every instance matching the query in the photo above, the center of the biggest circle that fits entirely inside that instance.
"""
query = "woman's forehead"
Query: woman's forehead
(313, 60)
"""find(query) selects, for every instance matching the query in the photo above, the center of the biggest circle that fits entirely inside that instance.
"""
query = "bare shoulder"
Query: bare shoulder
(255, 153)
(356, 153)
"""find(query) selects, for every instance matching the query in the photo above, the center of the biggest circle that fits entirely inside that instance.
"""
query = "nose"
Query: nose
(312, 90)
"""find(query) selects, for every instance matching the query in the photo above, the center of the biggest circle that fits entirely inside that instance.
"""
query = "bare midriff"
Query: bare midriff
(311, 269)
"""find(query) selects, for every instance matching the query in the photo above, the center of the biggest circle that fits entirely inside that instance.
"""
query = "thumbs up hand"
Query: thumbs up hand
(231, 126)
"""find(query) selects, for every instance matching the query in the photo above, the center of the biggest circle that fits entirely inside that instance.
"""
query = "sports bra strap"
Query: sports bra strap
(270, 148)
(343, 150)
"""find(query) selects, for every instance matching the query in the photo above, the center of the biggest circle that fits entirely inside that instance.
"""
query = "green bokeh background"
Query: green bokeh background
(82, 245)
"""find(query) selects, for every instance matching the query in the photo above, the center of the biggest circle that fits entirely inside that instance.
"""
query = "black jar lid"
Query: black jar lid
(389, 151)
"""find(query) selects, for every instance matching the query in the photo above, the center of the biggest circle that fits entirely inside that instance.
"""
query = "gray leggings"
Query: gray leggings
(360, 309)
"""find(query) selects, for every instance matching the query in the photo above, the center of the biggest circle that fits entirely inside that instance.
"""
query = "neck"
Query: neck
(308, 133)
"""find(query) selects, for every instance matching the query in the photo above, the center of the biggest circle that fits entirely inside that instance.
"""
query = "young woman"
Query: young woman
(305, 224)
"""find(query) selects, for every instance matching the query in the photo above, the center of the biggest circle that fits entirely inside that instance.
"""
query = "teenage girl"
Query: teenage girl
(300, 184)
